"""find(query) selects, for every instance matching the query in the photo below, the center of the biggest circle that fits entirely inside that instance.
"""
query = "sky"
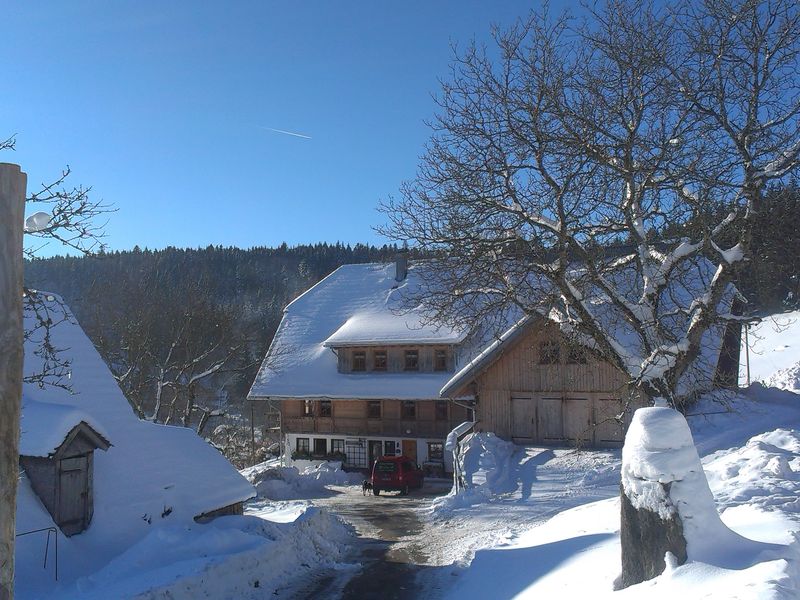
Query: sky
(171, 111)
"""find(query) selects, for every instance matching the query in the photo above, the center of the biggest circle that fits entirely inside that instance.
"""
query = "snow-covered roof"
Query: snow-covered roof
(45, 426)
(356, 305)
(152, 474)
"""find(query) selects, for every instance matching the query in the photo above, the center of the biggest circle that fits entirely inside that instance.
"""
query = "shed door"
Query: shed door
(577, 420)
(523, 418)
(73, 494)
(551, 427)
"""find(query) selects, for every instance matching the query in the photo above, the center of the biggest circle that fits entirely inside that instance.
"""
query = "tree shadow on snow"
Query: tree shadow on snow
(515, 569)
(525, 471)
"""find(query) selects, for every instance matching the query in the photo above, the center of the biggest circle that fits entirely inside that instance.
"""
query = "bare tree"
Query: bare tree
(163, 349)
(557, 162)
(558, 165)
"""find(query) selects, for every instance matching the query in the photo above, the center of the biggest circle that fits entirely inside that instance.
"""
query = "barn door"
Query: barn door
(577, 420)
(523, 418)
(551, 425)
(73, 494)
(608, 431)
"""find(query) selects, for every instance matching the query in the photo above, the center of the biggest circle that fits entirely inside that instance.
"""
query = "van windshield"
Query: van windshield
(386, 467)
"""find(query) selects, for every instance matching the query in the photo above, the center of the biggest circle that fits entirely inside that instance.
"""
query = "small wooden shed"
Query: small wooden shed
(61, 473)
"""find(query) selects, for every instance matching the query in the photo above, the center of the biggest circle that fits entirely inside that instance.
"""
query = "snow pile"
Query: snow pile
(484, 463)
(267, 555)
(662, 473)
(765, 472)
(289, 483)
(785, 379)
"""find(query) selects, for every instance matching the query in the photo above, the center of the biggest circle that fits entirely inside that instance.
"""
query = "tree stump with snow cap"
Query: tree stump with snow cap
(664, 494)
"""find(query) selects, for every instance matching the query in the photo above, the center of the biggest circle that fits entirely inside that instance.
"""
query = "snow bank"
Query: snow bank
(765, 472)
(751, 445)
(485, 465)
(231, 557)
(774, 352)
(290, 483)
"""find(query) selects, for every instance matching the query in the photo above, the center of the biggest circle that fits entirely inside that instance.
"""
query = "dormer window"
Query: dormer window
(412, 360)
(440, 360)
(379, 361)
(359, 360)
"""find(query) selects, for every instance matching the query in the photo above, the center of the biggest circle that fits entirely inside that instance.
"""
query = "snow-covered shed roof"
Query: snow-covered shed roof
(356, 305)
(45, 426)
(152, 475)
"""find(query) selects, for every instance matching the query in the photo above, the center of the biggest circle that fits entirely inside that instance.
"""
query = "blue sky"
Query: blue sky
(165, 109)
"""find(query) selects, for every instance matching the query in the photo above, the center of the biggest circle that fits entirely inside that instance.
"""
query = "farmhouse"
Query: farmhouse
(354, 370)
(96, 474)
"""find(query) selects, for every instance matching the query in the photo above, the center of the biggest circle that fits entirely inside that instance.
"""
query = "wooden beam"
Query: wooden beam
(12, 214)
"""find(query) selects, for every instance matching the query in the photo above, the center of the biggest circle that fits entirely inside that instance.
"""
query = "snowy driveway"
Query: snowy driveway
(393, 548)
(410, 551)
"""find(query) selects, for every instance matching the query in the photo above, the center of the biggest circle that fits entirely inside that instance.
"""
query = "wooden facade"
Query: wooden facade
(353, 417)
(540, 390)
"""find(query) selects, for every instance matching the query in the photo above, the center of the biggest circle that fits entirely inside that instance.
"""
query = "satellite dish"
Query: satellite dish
(37, 222)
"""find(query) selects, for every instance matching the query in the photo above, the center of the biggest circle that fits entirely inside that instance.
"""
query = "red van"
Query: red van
(398, 473)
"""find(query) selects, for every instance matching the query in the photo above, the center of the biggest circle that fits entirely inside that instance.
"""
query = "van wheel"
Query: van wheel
(376, 492)
(404, 491)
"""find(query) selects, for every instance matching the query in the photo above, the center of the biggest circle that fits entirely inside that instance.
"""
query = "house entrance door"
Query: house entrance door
(375, 450)
(523, 419)
(410, 449)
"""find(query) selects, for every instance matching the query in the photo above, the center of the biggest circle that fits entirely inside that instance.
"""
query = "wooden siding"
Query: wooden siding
(529, 402)
(349, 417)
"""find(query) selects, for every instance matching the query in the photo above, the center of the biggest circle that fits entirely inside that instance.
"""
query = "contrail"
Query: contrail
(300, 135)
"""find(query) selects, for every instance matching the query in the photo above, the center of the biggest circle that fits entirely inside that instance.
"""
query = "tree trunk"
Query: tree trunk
(12, 213)
(659, 453)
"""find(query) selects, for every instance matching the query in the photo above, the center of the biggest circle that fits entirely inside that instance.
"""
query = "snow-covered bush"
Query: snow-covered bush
(484, 463)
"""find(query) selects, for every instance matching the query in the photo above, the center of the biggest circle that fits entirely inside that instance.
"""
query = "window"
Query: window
(374, 409)
(412, 360)
(308, 408)
(379, 360)
(359, 360)
(440, 360)
(303, 445)
(325, 408)
(549, 353)
(408, 410)
(320, 446)
(441, 410)
(337, 446)
(435, 451)
(389, 448)
(576, 355)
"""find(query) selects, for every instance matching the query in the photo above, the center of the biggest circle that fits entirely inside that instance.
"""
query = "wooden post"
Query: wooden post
(12, 214)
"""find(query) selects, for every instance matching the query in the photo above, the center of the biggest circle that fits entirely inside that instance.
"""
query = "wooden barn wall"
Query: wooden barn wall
(519, 398)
